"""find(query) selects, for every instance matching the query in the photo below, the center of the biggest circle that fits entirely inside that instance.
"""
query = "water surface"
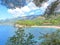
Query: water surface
(7, 31)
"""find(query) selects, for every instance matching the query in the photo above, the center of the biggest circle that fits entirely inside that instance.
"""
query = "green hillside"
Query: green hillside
(41, 20)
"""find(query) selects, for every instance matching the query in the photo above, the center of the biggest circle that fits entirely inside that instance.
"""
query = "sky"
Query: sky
(29, 9)
(4, 13)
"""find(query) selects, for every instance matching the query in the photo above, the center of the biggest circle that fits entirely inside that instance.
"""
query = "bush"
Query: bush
(51, 39)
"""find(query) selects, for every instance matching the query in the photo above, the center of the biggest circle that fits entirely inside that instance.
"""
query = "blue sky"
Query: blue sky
(4, 13)
(26, 11)
(29, 9)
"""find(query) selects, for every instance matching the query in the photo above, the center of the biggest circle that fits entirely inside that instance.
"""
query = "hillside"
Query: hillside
(41, 20)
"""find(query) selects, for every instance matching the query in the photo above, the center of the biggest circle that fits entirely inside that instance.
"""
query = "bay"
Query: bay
(7, 31)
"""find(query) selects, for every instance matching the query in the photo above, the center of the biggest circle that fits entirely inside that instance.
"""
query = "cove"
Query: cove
(7, 31)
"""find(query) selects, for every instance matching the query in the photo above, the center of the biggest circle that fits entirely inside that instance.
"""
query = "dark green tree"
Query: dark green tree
(19, 3)
(20, 38)
(51, 9)
(51, 39)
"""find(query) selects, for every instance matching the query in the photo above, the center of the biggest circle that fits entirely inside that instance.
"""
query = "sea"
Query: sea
(7, 31)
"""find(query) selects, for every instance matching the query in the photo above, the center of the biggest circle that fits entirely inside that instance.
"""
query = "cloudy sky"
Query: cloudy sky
(4, 13)
(29, 9)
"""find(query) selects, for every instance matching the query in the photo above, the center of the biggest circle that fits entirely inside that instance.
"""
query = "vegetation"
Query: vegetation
(22, 38)
(52, 20)
(51, 39)
(51, 9)
(20, 3)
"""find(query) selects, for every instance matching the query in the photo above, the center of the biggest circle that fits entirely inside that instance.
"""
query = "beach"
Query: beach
(58, 27)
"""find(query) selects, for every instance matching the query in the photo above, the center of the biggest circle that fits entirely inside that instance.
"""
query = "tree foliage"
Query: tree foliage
(51, 9)
(21, 38)
(20, 3)
(51, 39)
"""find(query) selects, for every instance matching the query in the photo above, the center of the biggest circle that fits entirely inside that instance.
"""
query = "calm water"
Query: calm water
(8, 31)
(5, 32)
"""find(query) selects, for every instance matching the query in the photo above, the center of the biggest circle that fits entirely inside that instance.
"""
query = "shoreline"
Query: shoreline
(58, 27)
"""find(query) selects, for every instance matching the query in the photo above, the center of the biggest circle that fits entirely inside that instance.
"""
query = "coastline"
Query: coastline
(58, 27)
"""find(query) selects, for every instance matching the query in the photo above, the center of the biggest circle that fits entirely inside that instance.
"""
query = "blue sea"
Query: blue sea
(7, 31)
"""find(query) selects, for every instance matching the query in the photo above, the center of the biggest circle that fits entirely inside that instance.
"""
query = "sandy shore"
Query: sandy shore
(47, 26)
(58, 27)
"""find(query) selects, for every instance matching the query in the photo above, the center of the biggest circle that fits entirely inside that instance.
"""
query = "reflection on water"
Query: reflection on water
(7, 31)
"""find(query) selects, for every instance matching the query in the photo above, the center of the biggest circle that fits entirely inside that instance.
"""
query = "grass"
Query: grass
(38, 22)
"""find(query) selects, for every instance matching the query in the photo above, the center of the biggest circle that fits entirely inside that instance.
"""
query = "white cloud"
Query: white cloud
(25, 9)
(31, 13)
(16, 12)
(44, 5)
(29, 9)
(32, 6)
(22, 11)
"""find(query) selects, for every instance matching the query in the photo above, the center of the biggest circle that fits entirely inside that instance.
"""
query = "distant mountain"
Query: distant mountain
(20, 18)
(27, 17)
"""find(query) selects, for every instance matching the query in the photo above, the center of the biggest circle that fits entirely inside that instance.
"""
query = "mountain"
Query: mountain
(28, 17)
(19, 18)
